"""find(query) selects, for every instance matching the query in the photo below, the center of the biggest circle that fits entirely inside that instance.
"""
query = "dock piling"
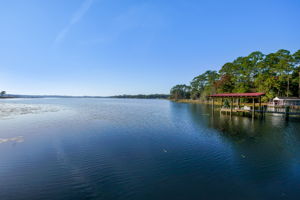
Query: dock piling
(287, 111)
(253, 109)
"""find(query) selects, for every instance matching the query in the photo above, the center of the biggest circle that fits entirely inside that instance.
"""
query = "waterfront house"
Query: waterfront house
(286, 101)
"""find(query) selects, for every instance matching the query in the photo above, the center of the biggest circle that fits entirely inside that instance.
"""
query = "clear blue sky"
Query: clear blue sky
(108, 47)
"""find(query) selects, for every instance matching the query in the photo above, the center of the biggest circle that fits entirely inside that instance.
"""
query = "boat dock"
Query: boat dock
(256, 99)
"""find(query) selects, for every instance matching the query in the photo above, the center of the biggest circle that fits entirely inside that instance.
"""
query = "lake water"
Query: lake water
(143, 149)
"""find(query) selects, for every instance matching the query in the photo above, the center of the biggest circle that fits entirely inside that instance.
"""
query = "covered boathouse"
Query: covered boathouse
(236, 97)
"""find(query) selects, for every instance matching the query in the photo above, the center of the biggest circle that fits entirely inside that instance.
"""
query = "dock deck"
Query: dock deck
(235, 110)
(228, 110)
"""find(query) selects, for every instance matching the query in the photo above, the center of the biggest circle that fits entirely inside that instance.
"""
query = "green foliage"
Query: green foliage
(204, 84)
(276, 74)
(180, 92)
(142, 96)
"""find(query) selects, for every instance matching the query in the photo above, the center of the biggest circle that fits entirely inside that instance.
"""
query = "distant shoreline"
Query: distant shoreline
(7, 97)
(139, 96)
(142, 96)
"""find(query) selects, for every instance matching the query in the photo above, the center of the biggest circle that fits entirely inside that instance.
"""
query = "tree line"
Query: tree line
(276, 74)
(142, 96)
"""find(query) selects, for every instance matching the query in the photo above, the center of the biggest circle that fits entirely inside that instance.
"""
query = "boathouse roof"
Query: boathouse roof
(252, 94)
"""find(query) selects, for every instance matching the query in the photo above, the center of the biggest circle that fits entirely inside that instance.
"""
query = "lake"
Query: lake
(81, 148)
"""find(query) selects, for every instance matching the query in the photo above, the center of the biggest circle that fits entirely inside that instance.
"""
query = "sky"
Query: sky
(113, 47)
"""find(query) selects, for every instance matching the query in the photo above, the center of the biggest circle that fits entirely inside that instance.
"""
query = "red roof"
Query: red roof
(255, 94)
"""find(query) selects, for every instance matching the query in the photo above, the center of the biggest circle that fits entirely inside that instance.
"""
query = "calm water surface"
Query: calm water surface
(145, 149)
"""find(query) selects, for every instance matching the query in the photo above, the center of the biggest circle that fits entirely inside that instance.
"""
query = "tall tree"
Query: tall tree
(198, 85)
(225, 84)
(204, 84)
(284, 67)
(180, 92)
(266, 79)
(296, 57)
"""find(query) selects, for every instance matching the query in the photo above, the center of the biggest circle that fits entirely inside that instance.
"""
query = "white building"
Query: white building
(286, 101)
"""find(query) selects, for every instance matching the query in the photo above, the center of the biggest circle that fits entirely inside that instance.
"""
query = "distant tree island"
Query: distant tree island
(276, 74)
(3, 95)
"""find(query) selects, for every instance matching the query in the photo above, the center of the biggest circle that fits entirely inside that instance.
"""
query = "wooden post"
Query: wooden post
(213, 104)
(239, 103)
(260, 105)
(253, 109)
(287, 112)
(231, 106)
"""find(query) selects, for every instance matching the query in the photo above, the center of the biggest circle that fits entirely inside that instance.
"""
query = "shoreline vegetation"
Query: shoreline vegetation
(142, 96)
(7, 97)
(216, 103)
(276, 74)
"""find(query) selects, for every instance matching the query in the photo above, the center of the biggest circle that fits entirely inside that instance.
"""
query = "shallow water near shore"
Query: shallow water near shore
(143, 149)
